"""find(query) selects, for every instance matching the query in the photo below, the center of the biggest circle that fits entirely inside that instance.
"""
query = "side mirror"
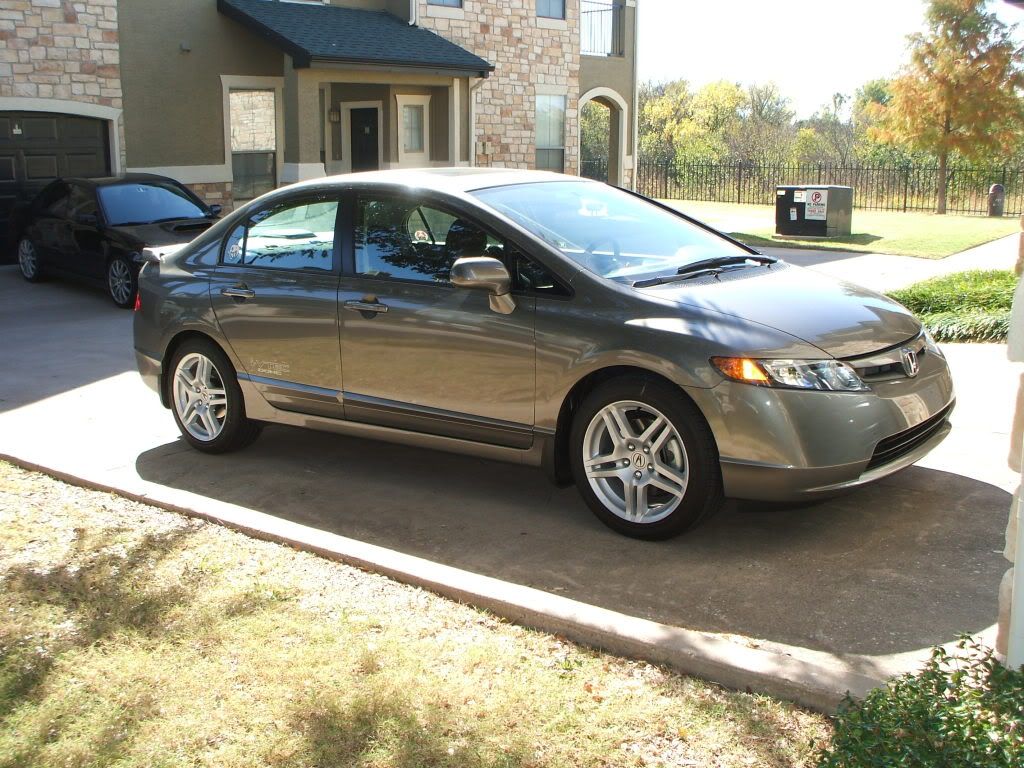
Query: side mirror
(216, 208)
(488, 274)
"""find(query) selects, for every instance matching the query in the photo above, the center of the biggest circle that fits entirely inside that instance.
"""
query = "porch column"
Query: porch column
(302, 120)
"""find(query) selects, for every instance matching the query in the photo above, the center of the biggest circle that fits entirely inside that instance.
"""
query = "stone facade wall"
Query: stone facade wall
(529, 58)
(253, 124)
(216, 193)
(61, 49)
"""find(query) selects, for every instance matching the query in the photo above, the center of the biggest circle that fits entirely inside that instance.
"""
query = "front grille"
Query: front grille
(892, 448)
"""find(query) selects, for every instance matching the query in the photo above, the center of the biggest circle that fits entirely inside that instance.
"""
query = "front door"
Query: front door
(275, 296)
(419, 353)
(365, 140)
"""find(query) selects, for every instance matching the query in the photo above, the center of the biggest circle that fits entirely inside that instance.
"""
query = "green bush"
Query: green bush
(978, 289)
(963, 710)
(964, 306)
(968, 326)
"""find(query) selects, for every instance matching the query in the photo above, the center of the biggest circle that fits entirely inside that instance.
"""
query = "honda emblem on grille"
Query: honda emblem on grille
(911, 365)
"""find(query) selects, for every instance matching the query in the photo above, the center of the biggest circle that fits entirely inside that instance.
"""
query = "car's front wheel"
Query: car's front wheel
(207, 401)
(122, 282)
(28, 260)
(644, 459)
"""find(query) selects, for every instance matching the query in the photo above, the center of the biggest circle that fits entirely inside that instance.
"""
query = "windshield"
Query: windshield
(608, 231)
(145, 203)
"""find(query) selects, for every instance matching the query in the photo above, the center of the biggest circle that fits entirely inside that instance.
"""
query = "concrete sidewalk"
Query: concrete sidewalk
(883, 272)
(800, 602)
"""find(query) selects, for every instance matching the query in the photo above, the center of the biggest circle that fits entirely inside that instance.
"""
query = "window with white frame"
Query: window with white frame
(551, 9)
(550, 133)
(414, 129)
(446, 3)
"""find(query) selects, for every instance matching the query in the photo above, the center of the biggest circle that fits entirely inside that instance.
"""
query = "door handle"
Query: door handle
(238, 292)
(365, 306)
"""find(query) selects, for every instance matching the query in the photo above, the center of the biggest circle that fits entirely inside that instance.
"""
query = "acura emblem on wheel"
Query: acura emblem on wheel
(910, 362)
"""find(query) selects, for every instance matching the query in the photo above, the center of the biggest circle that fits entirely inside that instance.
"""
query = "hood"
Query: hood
(165, 233)
(840, 318)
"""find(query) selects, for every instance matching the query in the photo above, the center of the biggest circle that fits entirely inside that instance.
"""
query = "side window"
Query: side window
(82, 203)
(292, 236)
(399, 239)
(530, 276)
(54, 201)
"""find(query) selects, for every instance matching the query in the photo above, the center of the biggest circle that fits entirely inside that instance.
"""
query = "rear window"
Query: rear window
(149, 202)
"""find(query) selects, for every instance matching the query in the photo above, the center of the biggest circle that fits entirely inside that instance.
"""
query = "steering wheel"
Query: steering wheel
(603, 263)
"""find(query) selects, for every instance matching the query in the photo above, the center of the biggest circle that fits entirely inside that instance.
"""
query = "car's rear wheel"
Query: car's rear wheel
(28, 260)
(207, 401)
(122, 282)
(644, 459)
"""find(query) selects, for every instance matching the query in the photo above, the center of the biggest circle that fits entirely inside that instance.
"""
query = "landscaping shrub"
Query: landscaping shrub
(964, 306)
(963, 710)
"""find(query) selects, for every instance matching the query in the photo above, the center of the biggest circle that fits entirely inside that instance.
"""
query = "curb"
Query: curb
(812, 679)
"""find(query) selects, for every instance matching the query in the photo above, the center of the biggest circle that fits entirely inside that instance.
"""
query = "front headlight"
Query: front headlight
(825, 375)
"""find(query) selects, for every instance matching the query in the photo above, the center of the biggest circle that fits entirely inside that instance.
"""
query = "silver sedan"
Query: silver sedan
(544, 320)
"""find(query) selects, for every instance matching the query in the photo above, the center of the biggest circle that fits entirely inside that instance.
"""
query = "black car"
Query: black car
(97, 228)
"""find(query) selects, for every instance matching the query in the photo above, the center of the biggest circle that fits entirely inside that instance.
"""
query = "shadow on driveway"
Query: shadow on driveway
(57, 335)
(904, 564)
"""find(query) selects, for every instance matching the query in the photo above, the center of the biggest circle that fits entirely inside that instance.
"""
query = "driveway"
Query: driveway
(888, 570)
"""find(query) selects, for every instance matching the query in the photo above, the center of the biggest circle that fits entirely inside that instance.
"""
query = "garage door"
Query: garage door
(37, 147)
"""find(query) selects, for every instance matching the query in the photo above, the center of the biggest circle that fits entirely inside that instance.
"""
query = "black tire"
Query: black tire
(122, 282)
(702, 495)
(33, 273)
(237, 431)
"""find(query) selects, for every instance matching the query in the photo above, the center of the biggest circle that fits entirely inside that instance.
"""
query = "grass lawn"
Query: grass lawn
(135, 637)
(902, 234)
(964, 306)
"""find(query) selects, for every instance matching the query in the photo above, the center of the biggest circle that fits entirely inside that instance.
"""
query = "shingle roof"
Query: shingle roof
(331, 33)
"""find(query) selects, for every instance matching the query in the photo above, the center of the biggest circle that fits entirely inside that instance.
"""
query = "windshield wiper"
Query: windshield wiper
(702, 267)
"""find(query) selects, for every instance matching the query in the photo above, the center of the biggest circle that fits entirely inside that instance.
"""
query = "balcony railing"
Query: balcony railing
(602, 28)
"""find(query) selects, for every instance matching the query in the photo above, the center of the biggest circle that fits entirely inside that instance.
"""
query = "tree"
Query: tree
(764, 133)
(961, 92)
(595, 128)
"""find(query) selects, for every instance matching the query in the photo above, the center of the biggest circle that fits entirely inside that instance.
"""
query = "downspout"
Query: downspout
(636, 99)
(414, 12)
(472, 120)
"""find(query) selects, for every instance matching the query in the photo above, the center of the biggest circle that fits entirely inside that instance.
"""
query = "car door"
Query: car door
(84, 243)
(418, 352)
(49, 230)
(275, 297)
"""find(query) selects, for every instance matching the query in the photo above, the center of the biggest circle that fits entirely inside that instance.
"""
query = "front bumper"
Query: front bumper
(790, 445)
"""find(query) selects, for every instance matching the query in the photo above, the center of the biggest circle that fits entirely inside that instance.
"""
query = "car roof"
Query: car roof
(456, 180)
(109, 181)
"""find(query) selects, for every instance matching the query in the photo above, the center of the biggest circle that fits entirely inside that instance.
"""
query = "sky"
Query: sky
(810, 48)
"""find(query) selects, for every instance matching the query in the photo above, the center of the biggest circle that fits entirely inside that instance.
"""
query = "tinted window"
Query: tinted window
(53, 201)
(145, 203)
(294, 235)
(608, 231)
(82, 202)
(400, 239)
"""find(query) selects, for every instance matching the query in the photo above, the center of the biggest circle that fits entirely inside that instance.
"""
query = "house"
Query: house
(234, 97)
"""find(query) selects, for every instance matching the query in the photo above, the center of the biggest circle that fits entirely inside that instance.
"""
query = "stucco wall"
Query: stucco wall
(615, 72)
(61, 50)
(173, 99)
(531, 56)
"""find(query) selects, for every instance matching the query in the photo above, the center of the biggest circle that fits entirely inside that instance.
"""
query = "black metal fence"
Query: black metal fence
(594, 169)
(880, 188)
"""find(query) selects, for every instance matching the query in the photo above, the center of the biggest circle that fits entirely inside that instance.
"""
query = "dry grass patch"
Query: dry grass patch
(131, 636)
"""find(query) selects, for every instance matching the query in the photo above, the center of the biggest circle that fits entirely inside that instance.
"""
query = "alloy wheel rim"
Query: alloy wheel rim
(27, 259)
(200, 397)
(635, 462)
(120, 280)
